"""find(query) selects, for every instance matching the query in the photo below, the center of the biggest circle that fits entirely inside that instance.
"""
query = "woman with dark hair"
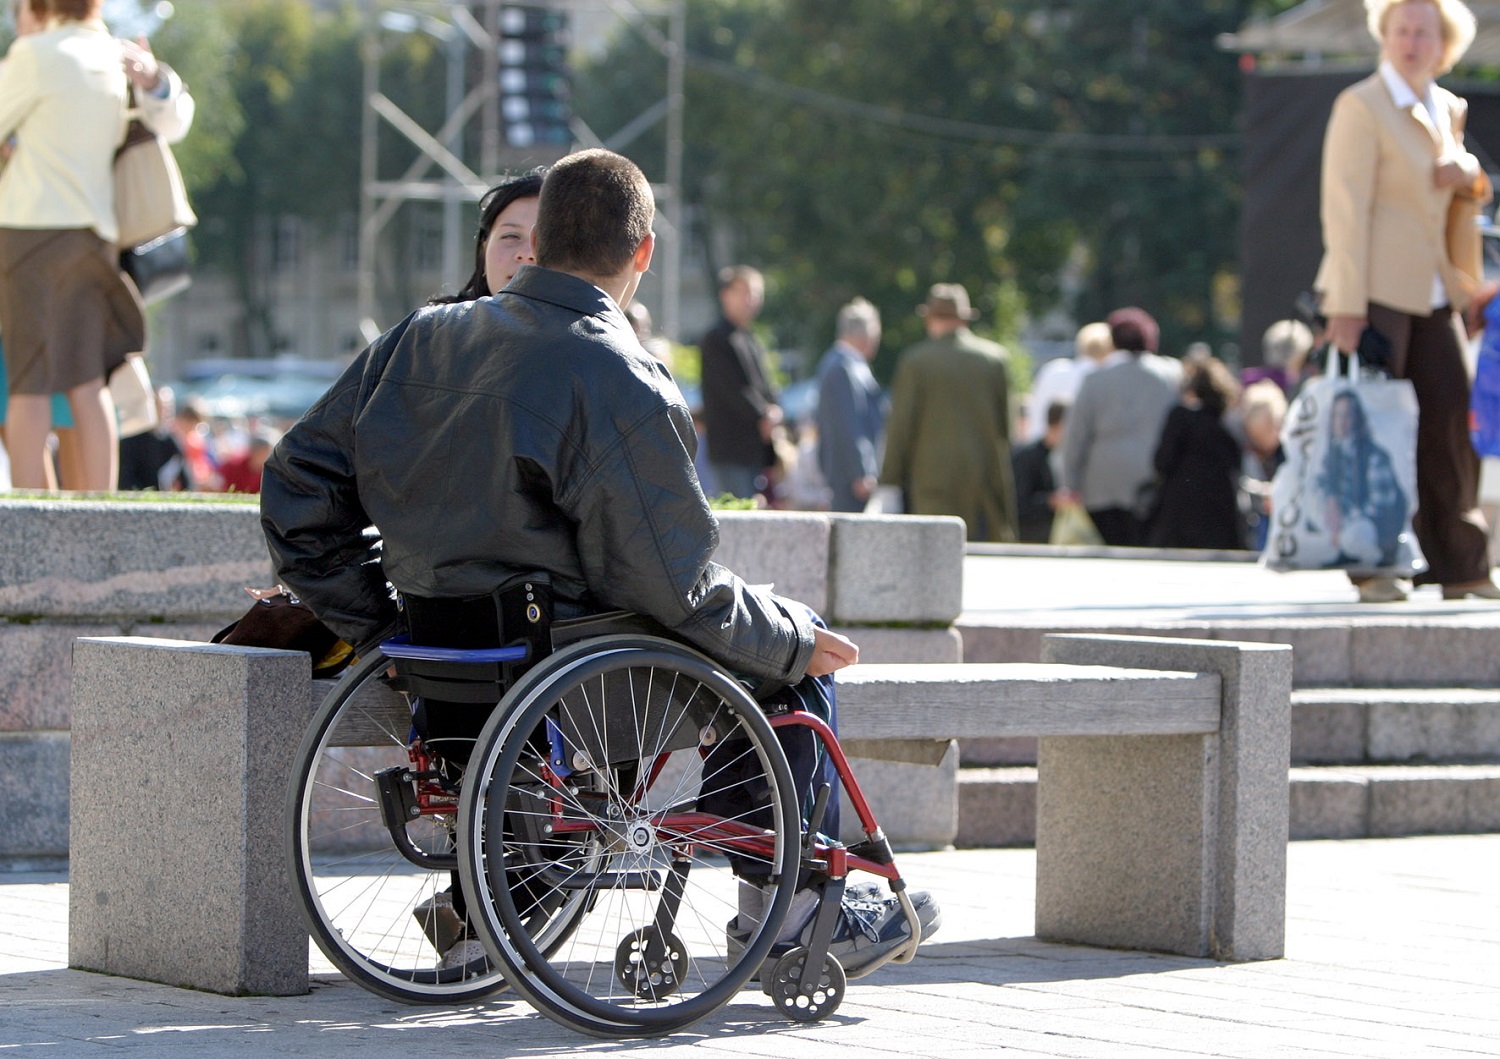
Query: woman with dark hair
(1198, 465)
(1364, 506)
(507, 214)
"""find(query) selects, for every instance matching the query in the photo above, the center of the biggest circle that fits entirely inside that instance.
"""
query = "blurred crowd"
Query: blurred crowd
(1134, 446)
(190, 451)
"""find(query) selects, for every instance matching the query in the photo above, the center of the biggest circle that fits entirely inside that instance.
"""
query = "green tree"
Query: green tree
(877, 146)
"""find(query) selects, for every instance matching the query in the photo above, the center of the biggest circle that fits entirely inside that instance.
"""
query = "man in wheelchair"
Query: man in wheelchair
(529, 432)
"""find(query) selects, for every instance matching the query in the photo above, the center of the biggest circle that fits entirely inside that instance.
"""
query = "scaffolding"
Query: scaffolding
(471, 30)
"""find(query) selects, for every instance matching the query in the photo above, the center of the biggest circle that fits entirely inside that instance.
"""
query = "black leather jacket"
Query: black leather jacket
(519, 433)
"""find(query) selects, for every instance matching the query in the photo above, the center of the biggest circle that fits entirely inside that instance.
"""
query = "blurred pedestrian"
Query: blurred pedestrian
(242, 471)
(68, 315)
(1036, 479)
(658, 346)
(1198, 465)
(155, 459)
(740, 402)
(1262, 411)
(1059, 379)
(1284, 348)
(948, 436)
(1399, 197)
(1114, 425)
(851, 409)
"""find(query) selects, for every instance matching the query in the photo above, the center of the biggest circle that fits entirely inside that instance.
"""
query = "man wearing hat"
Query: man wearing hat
(948, 435)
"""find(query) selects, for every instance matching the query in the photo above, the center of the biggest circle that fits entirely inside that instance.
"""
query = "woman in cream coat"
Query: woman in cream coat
(67, 316)
(1393, 164)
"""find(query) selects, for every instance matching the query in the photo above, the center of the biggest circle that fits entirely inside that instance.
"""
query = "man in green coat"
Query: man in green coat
(948, 436)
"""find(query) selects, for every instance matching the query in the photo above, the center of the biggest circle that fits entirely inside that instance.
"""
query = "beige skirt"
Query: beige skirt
(67, 314)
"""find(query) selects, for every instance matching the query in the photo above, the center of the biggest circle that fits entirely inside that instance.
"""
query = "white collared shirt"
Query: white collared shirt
(1404, 98)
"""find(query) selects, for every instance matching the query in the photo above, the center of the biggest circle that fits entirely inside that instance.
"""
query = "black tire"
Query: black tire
(358, 890)
(653, 733)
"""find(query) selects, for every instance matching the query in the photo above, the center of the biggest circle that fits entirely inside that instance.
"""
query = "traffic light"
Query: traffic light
(535, 91)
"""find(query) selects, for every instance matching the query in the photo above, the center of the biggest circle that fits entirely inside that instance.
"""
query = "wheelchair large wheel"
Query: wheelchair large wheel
(367, 876)
(635, 773)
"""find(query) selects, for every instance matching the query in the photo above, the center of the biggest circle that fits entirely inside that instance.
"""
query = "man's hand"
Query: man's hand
(831, 652)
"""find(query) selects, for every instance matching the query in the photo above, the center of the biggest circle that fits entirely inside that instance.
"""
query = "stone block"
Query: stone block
(996, 807)
(1126, 832)
(181, 756)
(786, 549)
(1171, 842)
(1483, 815)
(915, 805)
(895, 568)
(36, 660)
(996, 643)
(1419, 654)
(1440, 725)
(174, 561)
(34, 792)
(1320, 651)
(1419, 801)
(884, 644)
(1329, 803)
(1327, 729)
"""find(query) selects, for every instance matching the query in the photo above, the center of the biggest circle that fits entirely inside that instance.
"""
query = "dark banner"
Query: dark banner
(1281, 241)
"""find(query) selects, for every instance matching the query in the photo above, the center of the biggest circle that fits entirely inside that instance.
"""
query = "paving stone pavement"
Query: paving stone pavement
(1393, 952)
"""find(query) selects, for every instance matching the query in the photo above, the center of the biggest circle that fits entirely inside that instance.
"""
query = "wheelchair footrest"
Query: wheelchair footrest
(398, 806)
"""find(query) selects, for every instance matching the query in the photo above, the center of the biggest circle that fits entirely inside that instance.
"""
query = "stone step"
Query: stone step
(1352, 726)
(1348, 726)
(997, 806)
(1410, 647)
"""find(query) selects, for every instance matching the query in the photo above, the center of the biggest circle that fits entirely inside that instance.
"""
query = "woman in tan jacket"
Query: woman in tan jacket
(1393, 165)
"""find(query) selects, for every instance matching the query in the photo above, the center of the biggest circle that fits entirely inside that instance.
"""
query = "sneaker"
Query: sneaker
(461, 955)
(871, 926)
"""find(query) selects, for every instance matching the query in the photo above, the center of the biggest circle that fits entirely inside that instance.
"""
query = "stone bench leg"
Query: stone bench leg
(1170, 843)
(181, 754)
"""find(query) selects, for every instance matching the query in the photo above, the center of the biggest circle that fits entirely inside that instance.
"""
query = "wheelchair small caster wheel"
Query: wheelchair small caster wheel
(651, 964)
(801, 1005)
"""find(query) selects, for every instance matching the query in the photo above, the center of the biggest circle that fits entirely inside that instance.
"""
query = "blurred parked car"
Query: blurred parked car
(233, 388)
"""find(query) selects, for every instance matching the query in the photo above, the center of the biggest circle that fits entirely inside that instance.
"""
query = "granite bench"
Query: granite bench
(1162, 805)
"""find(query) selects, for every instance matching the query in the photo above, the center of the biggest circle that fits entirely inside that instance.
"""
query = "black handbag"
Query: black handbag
(159, 268)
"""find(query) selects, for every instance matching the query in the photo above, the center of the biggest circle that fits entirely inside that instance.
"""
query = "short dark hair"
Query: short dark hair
(1057, 411)
(595, 211)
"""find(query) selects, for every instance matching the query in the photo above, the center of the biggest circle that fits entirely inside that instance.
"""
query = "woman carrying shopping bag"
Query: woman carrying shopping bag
(1400, 194)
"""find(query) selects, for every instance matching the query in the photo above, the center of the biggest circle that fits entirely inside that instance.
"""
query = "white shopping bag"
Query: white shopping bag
(1344, 498)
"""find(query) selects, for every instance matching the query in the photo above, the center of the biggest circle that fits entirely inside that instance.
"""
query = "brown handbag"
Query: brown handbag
(281, 620)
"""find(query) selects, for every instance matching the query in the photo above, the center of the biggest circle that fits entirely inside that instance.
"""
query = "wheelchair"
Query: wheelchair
(592, 836)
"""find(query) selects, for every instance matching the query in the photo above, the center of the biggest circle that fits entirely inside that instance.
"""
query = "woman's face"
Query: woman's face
(508, 246)
(1413, 41)
(1341, 420)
